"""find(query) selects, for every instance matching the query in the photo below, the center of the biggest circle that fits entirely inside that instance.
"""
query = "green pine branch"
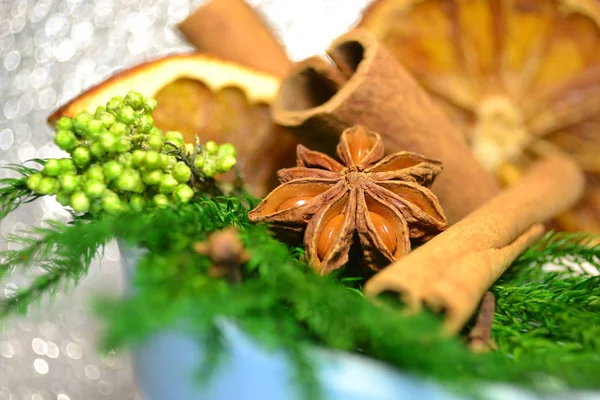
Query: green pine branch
(545, 323)
(14, 191)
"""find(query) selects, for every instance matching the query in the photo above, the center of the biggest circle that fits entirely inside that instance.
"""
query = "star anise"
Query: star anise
(384, 201)
(227, 253)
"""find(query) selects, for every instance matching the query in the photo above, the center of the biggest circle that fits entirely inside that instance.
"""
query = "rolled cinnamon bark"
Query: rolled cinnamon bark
(366, 85)
(232, 30)
(453, 270)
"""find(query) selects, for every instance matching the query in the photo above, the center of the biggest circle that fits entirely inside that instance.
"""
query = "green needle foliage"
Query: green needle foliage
(14, 191)
(547, 325)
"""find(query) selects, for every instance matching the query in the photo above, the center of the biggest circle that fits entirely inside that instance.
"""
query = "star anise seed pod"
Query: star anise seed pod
(226, 251)
(384, 200)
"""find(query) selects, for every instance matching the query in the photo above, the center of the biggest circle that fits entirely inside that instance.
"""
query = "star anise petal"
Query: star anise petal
(418, 205)
(329, 233)
(406, 166)
(314, 159)
(383, 231)
(360, 148)
(289, 174)
(383, 201)
(291, 205)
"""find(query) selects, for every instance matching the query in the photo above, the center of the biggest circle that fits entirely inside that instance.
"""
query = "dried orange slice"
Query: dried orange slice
(519, 77)
(217, 100)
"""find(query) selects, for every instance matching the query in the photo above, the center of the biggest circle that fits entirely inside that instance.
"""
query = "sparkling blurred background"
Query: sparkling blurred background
(49, 52)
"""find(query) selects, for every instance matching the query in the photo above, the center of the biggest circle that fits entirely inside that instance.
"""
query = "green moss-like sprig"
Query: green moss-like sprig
(545, 325)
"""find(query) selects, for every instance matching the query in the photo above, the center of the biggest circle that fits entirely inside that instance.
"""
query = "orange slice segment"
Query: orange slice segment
(518, 77)
(214, 99)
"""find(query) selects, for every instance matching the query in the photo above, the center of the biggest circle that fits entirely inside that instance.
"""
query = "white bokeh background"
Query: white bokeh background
(49, 52)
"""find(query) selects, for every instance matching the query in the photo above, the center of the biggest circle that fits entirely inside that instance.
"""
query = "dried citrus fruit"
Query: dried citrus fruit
(214, 99)
(519, 77)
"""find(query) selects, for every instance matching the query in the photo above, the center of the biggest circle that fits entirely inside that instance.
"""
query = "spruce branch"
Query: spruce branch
(64, 253)
(14, 191)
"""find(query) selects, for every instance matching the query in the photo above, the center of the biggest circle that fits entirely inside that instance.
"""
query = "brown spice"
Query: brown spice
(384, 200)
(227, 252)
(231, 29)
(480, 337)
(453, 270)
(367, 86)
(515, 77)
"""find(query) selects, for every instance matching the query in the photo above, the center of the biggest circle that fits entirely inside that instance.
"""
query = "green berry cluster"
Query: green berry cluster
(214, 158)
(120, 160)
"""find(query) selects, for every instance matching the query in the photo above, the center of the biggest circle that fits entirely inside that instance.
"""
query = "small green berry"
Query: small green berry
(65, 140)
(199, 162)
(226, 163)
(167, 184)
(155, 142)
(47, 186)
(138, 157)
(109, 193)
(183, 193)
(211, 147)
(152, 178)
(150, 105)
(173, 136)
(108, 141)
(181, 172)
(114, 104)
(94, 189)
(107, 119)
(209, 168)
(63, 198)
(139, 187)
(112, 205)
(64, 123)
(144, 123)
(99, 111)
(226, 149)
(137, 202)
(81, 122)
(52, 167)
(188, 148)
(81, 156)
(69, 183)
(96, 206)
(80, 202)
(167, 162)
(125, 160)
(128, 181)
(123, 144)
(97, 149)
(153, 160)
(134, 100)
(33, 181)
(67, 165)
(155, 131)
(95, 173)
(112, 170)
(161, 200)
(95, 129)
(119, 129)
(126, 115)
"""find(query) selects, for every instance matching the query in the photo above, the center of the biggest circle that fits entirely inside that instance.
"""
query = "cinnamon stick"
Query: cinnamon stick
(453, 270)
(365, 85)
(232, 30)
